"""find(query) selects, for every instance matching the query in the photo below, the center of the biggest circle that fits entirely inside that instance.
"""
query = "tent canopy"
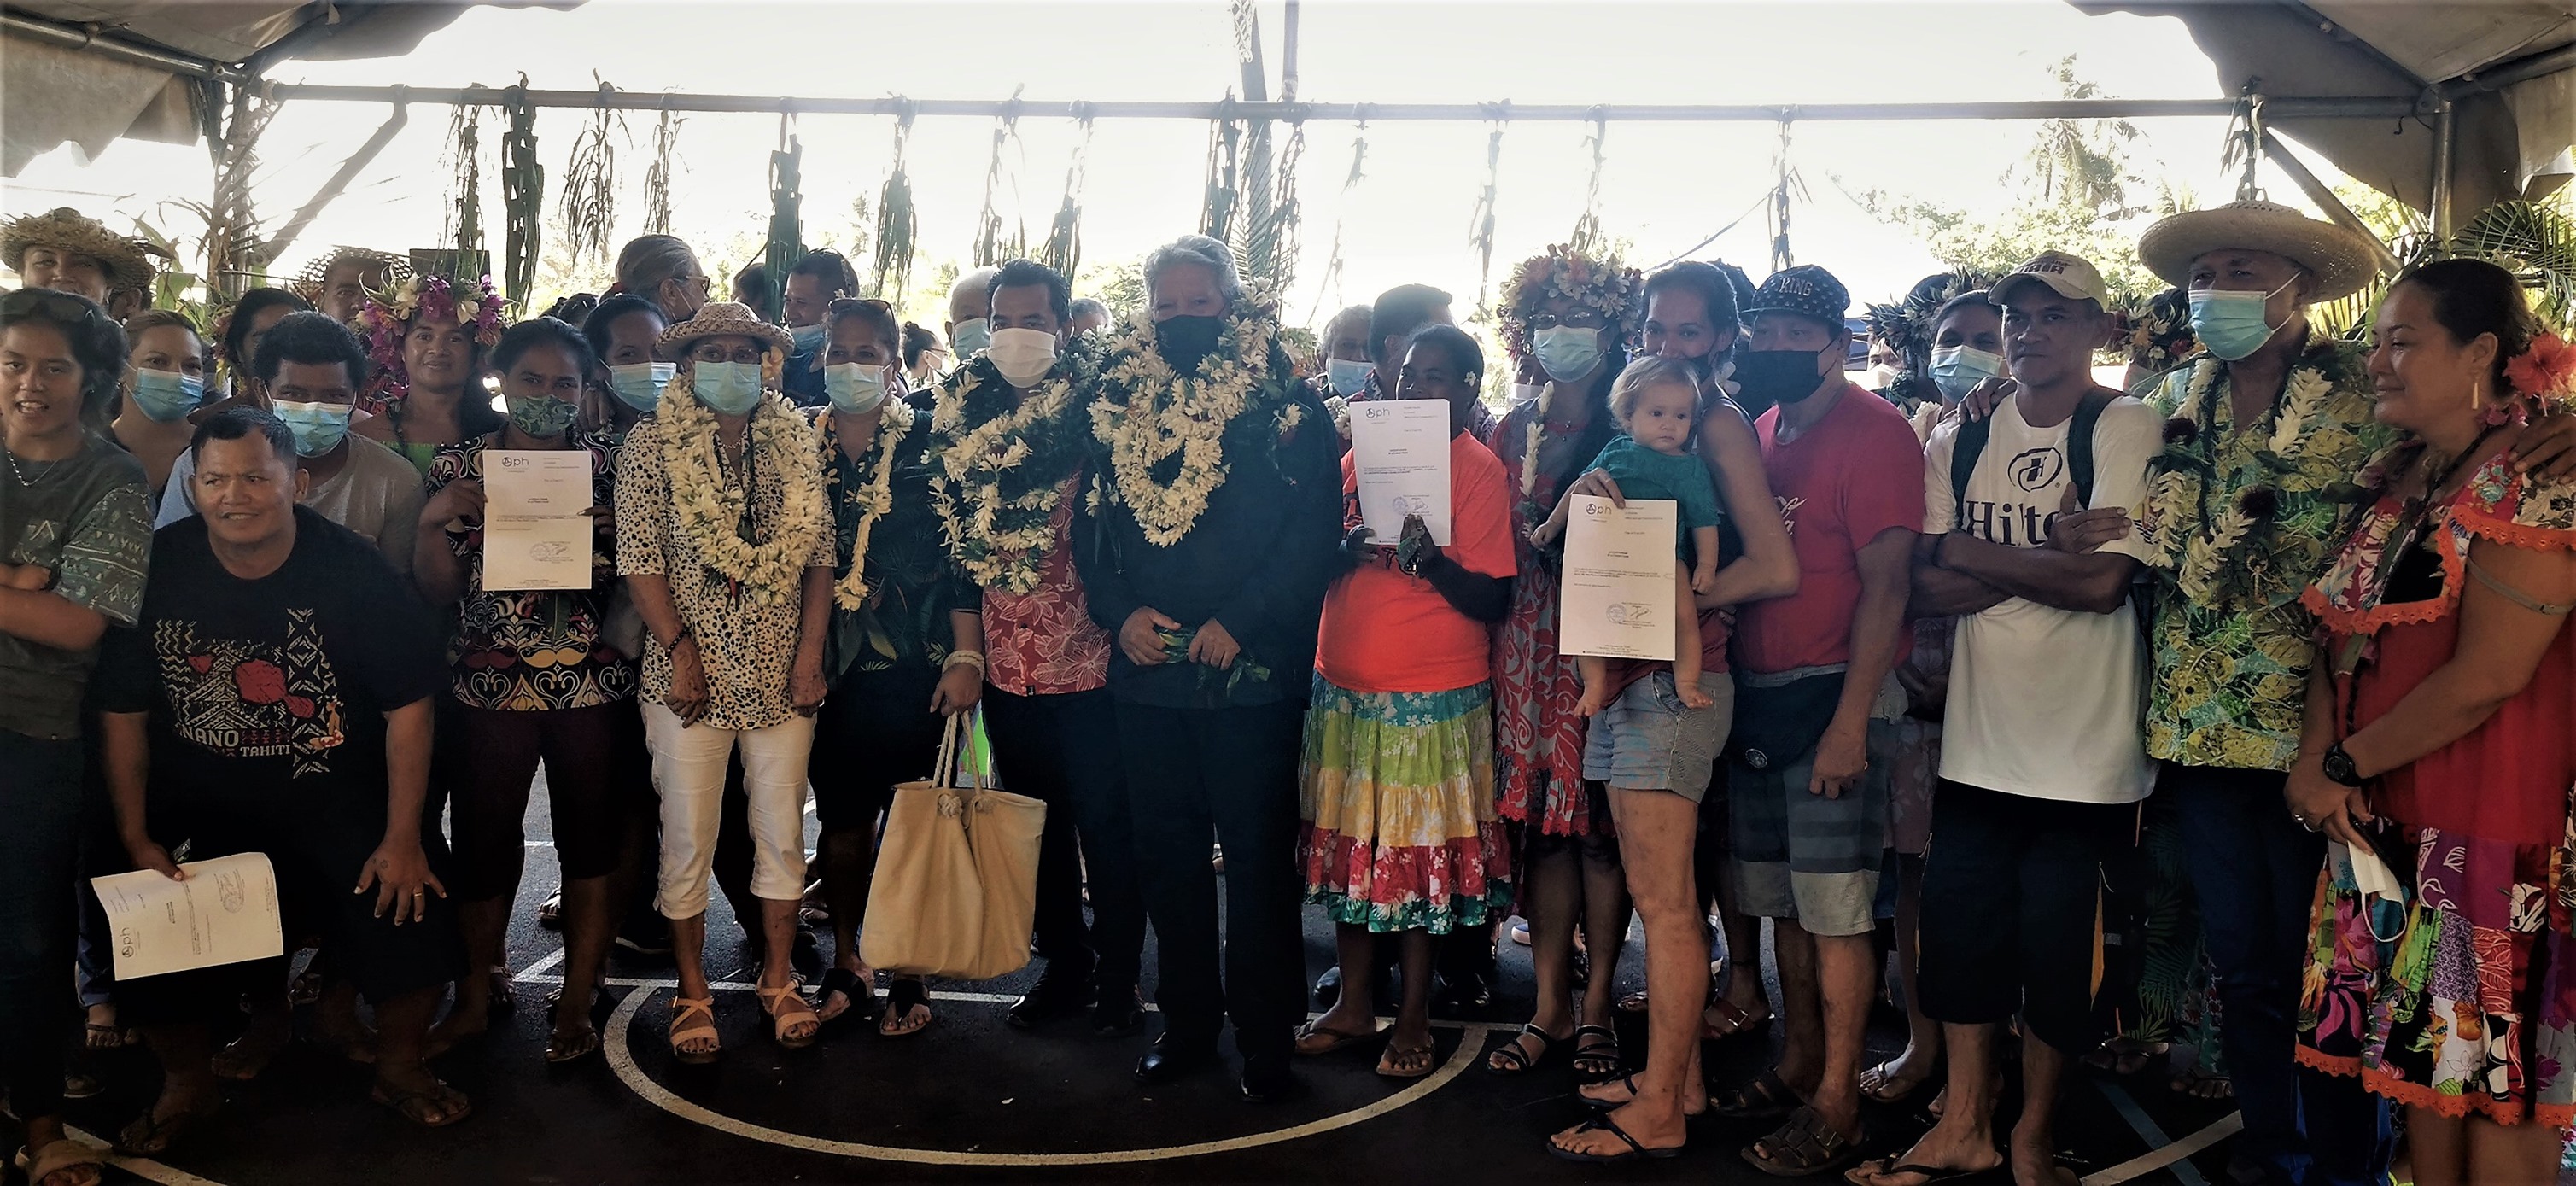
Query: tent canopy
(2506, 67)
(89, 71)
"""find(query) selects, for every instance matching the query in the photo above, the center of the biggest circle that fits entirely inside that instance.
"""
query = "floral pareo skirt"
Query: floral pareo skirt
(2471, 1006)
(1396, 791)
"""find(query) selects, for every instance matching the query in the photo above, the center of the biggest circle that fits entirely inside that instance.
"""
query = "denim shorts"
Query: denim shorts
(1648, 740)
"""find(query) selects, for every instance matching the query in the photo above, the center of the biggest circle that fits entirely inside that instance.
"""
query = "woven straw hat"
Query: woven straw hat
(2342, 262)
(395, 267)
(127, 259)
(723, 317)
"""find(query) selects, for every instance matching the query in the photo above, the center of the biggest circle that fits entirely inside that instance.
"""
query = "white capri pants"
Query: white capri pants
(689, 775)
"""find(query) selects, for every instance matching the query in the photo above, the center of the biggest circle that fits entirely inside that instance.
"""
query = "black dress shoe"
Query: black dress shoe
(1051, 997)
(1117, 1014)
(1170, 1058)
(1328, 987)
(1267, 1079)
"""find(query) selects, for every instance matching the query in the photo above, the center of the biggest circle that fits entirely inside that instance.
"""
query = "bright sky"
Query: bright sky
(1667, 185)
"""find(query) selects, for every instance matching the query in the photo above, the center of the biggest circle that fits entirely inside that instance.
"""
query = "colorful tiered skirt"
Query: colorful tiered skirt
(1397, 795)
(2470, 1006)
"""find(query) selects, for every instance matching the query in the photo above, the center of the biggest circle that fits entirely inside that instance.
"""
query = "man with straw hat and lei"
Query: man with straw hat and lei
(725, 540)
(338, 281)
(67, 251)
(2247, 503)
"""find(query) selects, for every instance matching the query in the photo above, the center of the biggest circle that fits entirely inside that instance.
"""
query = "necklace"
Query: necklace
(872, 499)
(1163, 416)
(44, 469)
(1002, 467)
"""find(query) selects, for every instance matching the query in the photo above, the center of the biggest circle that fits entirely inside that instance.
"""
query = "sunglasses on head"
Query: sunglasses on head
(53, 306)
(842, 305)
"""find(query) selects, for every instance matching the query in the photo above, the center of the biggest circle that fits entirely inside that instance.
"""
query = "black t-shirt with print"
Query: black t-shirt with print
(273, 687)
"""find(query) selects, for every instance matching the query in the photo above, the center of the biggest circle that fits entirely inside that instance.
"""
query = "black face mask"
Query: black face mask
(1773, 377)
(1183, 341)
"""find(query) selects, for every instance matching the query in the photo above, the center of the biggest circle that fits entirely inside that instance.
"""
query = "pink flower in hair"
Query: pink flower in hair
(2547, 370)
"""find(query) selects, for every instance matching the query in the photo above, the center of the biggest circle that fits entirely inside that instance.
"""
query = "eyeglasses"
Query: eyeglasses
(1579, 319)
(60, 307)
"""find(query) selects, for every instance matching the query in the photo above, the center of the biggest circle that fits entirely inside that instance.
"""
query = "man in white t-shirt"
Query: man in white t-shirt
(2043, 759)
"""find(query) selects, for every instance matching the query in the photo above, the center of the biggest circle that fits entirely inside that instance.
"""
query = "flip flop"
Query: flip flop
(1387, 1069)
(860, 996)
(1875, 1081)
(1332, 1040)
(63, 1154)
(401, 1099)
(1605, 1124)
(901, 998)
(1866, 1173)
(151, 1136)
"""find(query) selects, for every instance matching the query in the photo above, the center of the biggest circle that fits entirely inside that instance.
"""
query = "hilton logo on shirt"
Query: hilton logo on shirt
(2019, 524)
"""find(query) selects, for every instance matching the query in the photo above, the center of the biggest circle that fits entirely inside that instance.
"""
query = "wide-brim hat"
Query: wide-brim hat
(127, 259)
(2341, 260)
(396, 267)
(716, 318)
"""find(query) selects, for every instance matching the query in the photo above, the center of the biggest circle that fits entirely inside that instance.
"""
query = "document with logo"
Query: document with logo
(1400, 452)
(224, 913)
(1618, 586)
(536, 529)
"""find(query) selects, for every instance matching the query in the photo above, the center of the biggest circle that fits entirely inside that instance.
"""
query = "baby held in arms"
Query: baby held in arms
(1657, 408)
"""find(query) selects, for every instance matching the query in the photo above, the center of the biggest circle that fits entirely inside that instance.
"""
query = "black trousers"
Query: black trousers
(1228, 775)
(1063, 750)
(40, 796)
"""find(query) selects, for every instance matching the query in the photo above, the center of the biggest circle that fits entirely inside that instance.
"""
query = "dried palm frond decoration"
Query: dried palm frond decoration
(589, 202)
(657, 176)
(786, 206)
(523, 195)
(1266, 237)
(236, 254)
(1330, 287)
(1586, 238)
(1224, 173)
(1480, 224)
(462, 229)
(897, 229)
(1062, 251)
(991, 246)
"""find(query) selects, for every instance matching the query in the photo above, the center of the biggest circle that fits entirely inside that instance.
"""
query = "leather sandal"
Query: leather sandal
(685, 1031)
(786, 1007)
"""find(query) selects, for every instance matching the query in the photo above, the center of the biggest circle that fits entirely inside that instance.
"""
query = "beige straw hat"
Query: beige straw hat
(2342, 262)
(723, 317)
(126, 259)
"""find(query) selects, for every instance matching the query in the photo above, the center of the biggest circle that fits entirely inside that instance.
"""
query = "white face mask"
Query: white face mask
(1024, 356)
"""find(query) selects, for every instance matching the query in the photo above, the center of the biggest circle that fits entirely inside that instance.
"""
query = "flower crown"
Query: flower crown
(2159, 333)
(389, 313)
(1604, 285)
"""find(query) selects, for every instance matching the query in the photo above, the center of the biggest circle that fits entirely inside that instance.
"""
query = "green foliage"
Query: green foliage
(1121, 286)
(2537, 242)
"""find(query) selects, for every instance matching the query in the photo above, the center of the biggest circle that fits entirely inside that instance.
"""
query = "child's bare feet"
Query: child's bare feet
(1692, 696)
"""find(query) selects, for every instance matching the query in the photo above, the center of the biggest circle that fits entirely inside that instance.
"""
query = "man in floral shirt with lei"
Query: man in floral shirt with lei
(2254, 491)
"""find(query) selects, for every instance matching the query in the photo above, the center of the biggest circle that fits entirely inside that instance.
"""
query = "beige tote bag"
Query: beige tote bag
(955, 890)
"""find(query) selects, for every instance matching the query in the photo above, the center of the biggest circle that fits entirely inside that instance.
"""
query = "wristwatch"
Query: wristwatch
(2338, 766)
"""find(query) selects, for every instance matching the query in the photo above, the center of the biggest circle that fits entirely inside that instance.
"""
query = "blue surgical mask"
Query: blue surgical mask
(165, 396)
(2232, 325)
(732, 388)
(318, 427)
(1348, 377)
(1957, 370)
(1567, 352)
(639, 385)
(810, 338)
(855, 388)
(969, 337)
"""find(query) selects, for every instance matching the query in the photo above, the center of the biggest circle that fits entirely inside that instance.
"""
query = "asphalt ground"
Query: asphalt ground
(972, 1100)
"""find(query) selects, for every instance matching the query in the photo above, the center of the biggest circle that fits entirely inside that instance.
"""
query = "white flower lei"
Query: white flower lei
(2174, 497)
(851, 591)
(709, 511)
(1165, 414)
(966, 488)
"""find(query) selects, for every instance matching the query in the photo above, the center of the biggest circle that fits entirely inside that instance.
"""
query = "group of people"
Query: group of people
(2301, 594)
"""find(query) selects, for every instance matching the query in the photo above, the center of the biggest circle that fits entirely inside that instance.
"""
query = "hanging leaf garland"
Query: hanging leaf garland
(1225, 173)
(463, 229)
(1587, 228)
(786, 208)
(990, 246)
(1330, 287)
(897, 230)
(1062, 251)
(1480, 225)
(588, 205)
(523, 195)
(657, 176)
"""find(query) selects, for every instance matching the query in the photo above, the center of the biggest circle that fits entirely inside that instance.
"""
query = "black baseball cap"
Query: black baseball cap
(1806, 290)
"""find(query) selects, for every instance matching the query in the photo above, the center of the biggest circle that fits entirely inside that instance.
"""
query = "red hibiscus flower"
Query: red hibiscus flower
(301, 706)
(260, 682)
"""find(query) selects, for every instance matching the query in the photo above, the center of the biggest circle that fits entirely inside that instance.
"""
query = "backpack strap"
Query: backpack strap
(2079, 440)
(1963, 463)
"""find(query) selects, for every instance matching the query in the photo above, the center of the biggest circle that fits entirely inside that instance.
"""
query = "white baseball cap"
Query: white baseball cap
(2069, 276)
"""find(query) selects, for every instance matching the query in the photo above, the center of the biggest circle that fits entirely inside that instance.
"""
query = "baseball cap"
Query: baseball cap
(2069, 276)
(1806, 290)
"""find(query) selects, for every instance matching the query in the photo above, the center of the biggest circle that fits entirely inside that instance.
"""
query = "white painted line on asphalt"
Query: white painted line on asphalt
(2163, 1152)
(141, 1167)
(556, 957)
(620, 1060)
